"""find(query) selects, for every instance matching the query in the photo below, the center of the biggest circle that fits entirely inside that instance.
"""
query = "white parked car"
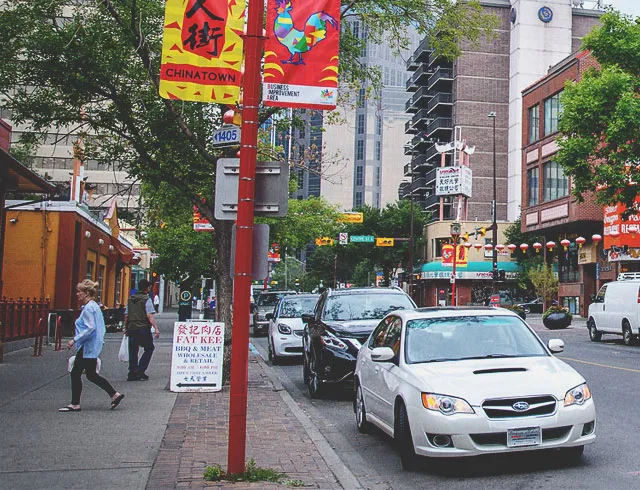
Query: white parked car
(451, 382)
(284, 338)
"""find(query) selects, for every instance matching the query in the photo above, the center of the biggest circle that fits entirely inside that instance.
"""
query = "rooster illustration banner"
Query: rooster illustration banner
(301, 53)
(202, 50)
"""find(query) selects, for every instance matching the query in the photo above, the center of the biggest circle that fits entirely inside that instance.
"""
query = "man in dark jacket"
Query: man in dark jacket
(138, 320)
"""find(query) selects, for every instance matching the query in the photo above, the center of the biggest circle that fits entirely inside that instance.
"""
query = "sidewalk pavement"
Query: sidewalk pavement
(155, 438)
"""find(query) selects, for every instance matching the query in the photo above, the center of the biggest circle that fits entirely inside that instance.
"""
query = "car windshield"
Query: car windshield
(296, 307)
(469, 337)
(269, 299)
(364, 306)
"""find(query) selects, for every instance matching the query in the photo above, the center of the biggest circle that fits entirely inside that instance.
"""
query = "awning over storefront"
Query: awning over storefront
(473, 270)
(126, 255)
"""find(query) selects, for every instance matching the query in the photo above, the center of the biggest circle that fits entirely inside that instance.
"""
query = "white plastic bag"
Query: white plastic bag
(72, 360)
(123, 354)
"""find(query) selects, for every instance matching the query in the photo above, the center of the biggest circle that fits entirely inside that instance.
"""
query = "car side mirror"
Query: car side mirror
(307, 318)
(556, 345)
(382, 354)
(269, 316)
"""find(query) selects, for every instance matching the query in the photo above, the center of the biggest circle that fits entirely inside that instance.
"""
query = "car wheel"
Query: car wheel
(627, 334)
(305, 369)
(275, 360)
(572, 455)
(402, 434)
(527, 310)
(361, 413)
(594, 335)
(314, 384)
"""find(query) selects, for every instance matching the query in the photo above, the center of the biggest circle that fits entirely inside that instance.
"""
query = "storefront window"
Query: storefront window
(90, 265)
(572, 303)
(569, 271)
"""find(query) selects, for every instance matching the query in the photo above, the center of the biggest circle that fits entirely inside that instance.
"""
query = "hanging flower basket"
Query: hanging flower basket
(556, 317)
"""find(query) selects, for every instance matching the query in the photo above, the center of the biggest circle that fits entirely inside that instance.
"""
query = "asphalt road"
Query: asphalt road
(613, 373)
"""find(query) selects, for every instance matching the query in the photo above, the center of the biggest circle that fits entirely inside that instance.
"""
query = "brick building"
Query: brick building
(488, 77)
(548, 209)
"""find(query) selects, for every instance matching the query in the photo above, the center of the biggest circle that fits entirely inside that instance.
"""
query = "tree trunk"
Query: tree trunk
(224, 288)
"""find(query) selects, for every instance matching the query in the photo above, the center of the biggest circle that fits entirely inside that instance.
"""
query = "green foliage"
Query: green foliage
(601, 116)
(252, 473)
(544, 282)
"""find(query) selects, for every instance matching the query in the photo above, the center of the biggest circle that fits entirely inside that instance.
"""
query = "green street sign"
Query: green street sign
(362, 238)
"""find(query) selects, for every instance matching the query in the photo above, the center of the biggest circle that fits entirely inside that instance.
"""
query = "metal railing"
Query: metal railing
(19, 319)
(441, 98)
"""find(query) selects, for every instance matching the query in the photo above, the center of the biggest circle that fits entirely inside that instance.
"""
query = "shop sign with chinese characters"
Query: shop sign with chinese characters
(453, 181)
(197, 354)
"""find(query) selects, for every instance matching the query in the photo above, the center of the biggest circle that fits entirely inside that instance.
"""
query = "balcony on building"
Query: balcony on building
(440, 128)
(420, 119)
(419, 144)
(404, 190)
(420, 77)
(440, 104)
(421, 163)
(412, 63)
(441, 80)
(409, 129)
(419, 184)
(407, 170)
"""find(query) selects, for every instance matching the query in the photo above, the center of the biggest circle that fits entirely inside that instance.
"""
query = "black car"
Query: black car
(342, 321)
(534, 306)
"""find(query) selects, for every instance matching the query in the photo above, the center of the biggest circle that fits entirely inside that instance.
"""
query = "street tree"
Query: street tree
(600, 120)
(545, 283)
(526, 261)
(92, 68)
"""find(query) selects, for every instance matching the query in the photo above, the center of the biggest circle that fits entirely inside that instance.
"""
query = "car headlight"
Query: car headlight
(577, 395)
(331, 340)
(448, 405)
(284, 329)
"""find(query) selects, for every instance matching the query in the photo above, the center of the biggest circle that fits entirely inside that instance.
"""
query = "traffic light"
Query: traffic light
(481, 231)
(384, 242)
(325, 240)
(154, 276)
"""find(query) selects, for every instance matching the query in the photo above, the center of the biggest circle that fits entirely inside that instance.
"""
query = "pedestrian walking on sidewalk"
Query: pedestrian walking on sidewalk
(88, 341)
(138, 320)
(156, 302)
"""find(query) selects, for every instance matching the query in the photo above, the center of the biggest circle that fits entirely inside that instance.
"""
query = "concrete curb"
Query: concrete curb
(344, 476)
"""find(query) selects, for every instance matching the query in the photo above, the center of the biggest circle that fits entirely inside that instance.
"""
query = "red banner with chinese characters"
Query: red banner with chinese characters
(202, 50)
(462, 259)
(301, 53)
(619, 232)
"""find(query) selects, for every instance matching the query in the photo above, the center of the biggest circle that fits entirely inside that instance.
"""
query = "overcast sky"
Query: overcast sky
(626, 6)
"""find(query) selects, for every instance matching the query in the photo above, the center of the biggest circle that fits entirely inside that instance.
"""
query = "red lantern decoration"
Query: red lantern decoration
(565, 244)
(512, 247)
(580, 241)
(524, 247)
(499, 247)
(467, 245)
(232, 117)
(596, 238)
(477, 246)
(488, 247)
(537, 246)
(551, 245)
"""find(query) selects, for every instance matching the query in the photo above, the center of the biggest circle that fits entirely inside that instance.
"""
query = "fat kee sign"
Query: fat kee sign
(196, 361)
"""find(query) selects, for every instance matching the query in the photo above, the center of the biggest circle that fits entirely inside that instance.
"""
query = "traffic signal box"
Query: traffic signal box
(384, 242)
(325, 240)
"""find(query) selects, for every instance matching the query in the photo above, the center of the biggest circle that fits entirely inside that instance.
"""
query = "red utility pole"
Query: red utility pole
(244, 239)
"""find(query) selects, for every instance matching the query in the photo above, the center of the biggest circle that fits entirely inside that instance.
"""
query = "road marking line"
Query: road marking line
(600, 365)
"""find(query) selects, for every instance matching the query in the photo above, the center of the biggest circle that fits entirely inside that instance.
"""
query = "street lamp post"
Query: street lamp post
(494, 209)
(411, 234)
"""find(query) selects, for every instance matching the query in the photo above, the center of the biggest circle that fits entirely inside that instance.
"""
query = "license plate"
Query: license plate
(529, 436)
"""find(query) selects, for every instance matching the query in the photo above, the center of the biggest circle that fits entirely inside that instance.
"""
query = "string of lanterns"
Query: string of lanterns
(537, 246)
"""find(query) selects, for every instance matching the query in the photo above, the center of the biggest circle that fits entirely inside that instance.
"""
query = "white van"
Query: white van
(616, 309)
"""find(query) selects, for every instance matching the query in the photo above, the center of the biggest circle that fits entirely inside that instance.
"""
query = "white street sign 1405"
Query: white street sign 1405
(226, 135)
